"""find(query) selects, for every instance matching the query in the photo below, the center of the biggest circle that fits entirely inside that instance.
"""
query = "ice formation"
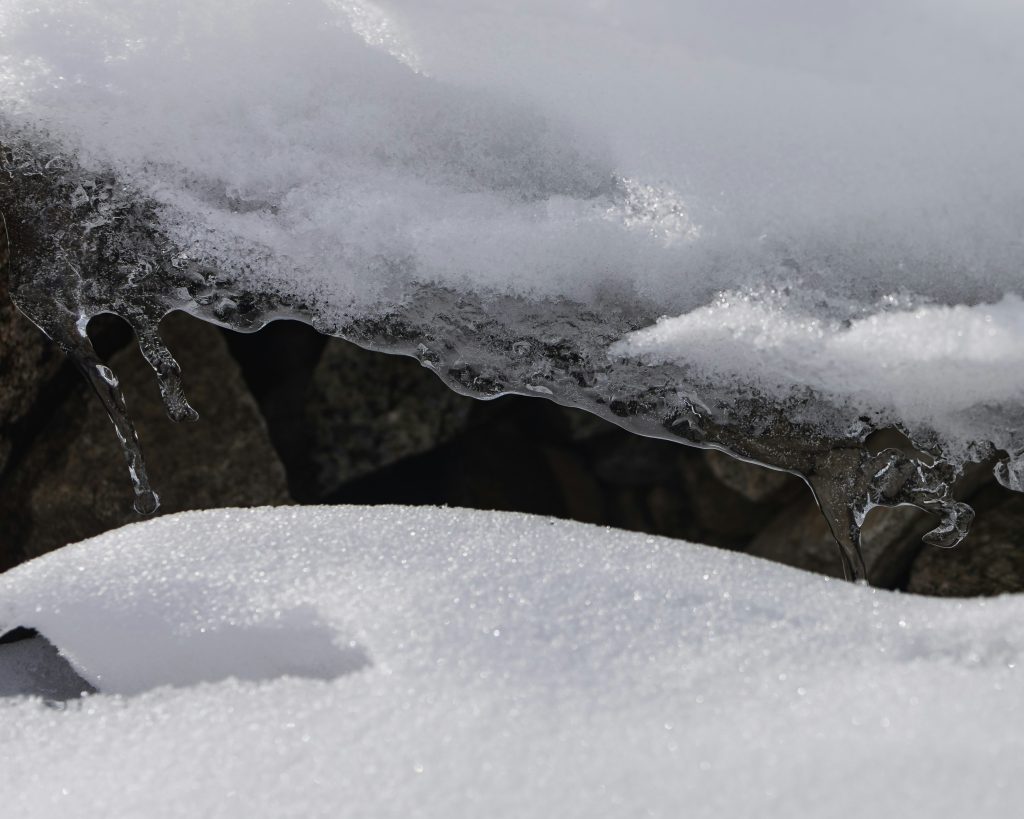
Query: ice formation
(768, 228)
(491, 664)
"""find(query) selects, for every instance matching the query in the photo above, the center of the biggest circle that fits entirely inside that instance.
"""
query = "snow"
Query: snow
(848, 172)
(393, 661)
(891, 358)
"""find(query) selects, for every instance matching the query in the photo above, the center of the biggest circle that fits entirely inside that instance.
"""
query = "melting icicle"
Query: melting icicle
(168, 373)
(76, 345)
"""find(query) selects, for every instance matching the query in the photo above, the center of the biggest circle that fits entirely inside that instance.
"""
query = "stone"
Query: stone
(755, 483)
(73, 482)
(29, 362)
(581, 425)
(624, 459)
(278, 363)
(799, 536)
(989, 562)
(367, 410)
(719, 514)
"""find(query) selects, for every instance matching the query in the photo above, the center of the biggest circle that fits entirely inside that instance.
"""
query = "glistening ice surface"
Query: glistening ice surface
(397, 662)
(771, 228)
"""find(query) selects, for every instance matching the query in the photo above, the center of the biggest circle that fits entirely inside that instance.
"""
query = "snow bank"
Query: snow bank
(435, 662)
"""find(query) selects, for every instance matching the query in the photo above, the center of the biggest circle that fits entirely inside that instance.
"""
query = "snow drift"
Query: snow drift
(449, 663)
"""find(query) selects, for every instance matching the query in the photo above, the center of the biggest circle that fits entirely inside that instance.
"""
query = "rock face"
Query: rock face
(990, 562)
(798, 536)
(755, 483)
(71, 484)
(337, 413)
(321, 421)
(28, 364)
(368, 411)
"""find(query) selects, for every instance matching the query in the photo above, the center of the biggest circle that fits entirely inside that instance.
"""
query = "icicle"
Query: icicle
(168, 372)
(76, 345)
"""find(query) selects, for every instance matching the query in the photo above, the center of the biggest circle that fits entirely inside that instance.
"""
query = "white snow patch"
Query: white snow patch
(474, 141)
(931, 363)
(511, 666)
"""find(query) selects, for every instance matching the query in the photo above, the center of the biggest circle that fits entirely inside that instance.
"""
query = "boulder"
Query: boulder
(756, 483)
(799, 536)
(366, 411)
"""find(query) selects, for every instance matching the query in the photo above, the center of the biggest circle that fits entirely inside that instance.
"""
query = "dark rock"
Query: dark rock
(990, 561)
(799, 536)
(278, 364)
(669, 512)
(755, 483)
(585, 426)
(367, 410)
(582, 498)
(720, 515)
(72, 484)
(629, 460)
(28, 364)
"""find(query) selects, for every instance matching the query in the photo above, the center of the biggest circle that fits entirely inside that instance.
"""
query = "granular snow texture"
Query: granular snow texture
(448, 663)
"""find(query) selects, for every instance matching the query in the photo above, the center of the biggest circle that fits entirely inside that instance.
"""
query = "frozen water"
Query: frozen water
(515, 666)
(820, 201)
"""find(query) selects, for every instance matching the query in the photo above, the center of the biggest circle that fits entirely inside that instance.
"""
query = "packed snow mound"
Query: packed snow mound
(447, 663)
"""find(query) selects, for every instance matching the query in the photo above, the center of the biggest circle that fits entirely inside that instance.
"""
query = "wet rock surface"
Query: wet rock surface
(324, 421)
(753, 482)
(124, 262)
(287, 415)
(799, 536)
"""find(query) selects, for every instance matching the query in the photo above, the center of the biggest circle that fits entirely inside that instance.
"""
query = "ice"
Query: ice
(510, 666)
(770, 229)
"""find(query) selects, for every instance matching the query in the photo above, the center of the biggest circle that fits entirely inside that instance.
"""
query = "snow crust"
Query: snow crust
(434, 662)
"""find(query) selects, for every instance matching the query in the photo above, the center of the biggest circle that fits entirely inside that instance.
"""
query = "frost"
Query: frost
(823, 199)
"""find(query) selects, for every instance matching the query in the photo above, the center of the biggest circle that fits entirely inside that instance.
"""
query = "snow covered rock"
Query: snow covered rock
(768, 231)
